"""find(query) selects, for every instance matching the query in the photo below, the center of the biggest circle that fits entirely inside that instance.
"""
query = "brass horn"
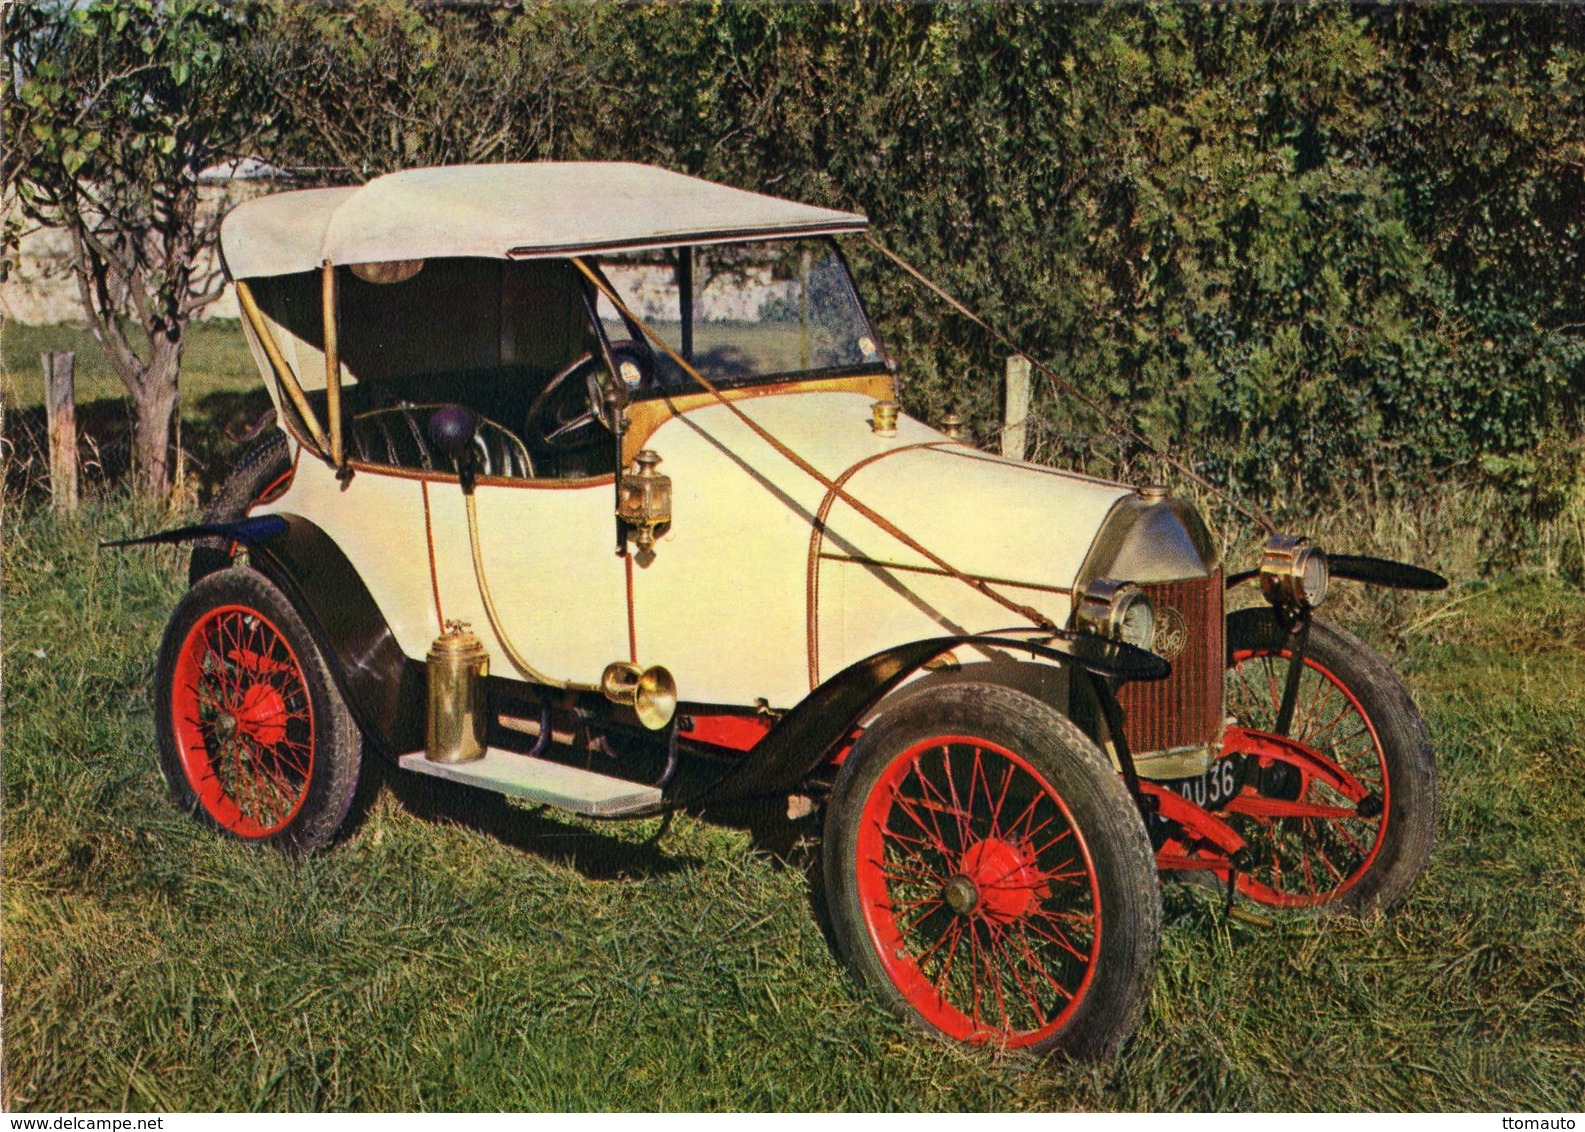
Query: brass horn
(650, 692)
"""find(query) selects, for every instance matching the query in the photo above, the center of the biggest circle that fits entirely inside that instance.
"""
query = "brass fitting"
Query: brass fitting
(645, 501)
(650, 692)
(458, 664)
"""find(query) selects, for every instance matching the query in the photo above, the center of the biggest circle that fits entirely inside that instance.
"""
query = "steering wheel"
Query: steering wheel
(561, 416)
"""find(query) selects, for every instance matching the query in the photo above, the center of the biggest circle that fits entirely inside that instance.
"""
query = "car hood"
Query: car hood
(989, 517)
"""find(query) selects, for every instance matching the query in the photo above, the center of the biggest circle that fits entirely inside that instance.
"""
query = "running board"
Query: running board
(539, 780)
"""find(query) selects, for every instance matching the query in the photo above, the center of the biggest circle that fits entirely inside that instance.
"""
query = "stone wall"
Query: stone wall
(39, 288)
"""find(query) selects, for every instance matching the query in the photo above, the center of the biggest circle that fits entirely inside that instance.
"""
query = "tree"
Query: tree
(379, 85)
(115, 108)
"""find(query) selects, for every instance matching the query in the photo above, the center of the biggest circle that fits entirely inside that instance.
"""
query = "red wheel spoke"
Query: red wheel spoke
(1023, 934)
(1309, 876)
(1331, 725)
(941, 980)
(957, 926)
(1001, 799)
(922, 916)
(934, 802)
(1012, 833)
(1057, 840)
(908, 876)
(1056, 936)
(1342, 831)
(922, 870)
(977, 779)
(1029, 992)
(974, 955)
(994, 971)
(913, 863)
(1327, 861)
(1275, 686)
(932, 831)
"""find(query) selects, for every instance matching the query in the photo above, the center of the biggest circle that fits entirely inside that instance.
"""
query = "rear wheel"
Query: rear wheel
(253, 734)
(1355, 835)
(989, 875)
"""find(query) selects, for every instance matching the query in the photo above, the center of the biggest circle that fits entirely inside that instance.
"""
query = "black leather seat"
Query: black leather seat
(398, 436)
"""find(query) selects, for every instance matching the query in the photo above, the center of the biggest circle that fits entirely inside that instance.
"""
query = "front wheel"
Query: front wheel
(1355, 836)
(988, 874)
(254, 736)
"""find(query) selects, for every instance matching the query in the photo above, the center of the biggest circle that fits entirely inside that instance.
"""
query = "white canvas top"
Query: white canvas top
(505, 211)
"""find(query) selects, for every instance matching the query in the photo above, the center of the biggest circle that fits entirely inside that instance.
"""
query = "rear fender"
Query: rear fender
(812, 732)
(384, 689)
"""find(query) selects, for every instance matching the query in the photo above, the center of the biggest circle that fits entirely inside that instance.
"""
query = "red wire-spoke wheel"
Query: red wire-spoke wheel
(1348, 820)
(244, 723)
(987, 872)
(254, 736)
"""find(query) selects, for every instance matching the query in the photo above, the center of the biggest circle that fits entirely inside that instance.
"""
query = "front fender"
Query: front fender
(808, 734)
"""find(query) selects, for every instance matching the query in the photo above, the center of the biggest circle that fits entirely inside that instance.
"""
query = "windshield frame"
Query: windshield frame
(641, 334)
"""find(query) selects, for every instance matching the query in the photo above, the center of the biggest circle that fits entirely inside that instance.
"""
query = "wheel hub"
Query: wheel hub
(1004, 879)
(962, 895)
(262, 715)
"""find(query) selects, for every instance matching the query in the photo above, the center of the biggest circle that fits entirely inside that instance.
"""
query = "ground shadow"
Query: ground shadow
(542, 832)
(214, 428)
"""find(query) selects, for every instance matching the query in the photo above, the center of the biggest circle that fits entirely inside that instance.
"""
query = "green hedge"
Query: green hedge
(1314, 246)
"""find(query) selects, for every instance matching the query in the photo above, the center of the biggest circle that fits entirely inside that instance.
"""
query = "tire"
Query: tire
(1353, 710)
(943, 800)
(254, 737)
(259, 473)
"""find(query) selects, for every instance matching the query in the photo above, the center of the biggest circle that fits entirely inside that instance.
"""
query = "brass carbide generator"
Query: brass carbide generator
(458, 664)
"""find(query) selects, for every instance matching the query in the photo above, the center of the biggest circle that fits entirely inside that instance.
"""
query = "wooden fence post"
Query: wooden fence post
(60, 410)
(1015, 416)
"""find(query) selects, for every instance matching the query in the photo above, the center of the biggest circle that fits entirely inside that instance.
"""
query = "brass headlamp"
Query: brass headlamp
(1119, 611)
(1293, 572)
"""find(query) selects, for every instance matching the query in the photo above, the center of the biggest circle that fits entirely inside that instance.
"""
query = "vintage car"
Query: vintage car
(589, 487)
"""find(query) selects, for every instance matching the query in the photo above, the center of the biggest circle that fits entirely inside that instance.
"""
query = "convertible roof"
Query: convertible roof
(535, 210)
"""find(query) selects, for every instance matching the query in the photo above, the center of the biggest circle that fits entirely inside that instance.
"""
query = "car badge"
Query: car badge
(1172, 634)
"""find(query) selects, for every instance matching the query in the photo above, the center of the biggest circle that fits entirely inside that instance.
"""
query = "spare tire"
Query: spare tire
(262, 472)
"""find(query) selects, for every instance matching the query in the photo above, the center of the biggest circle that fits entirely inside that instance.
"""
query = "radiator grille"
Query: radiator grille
(1185, 709)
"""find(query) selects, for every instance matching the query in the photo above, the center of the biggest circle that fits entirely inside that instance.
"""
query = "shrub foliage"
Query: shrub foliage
(1315, 245)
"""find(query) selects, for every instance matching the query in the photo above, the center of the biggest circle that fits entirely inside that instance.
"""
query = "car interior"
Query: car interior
(509, 341)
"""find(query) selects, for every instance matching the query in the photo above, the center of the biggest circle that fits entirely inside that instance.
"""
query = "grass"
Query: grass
(221, 395)
(216, 357)
(458, 952)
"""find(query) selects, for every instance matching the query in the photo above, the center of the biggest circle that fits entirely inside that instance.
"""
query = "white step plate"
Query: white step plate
(566, 787)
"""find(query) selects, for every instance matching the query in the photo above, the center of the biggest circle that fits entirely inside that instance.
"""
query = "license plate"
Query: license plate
(1216, 787)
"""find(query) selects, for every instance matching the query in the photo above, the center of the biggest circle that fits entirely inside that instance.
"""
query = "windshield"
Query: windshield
(739, 313)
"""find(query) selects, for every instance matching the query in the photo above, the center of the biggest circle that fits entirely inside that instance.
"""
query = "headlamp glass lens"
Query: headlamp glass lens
(1315, 579)
(1136, 620)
